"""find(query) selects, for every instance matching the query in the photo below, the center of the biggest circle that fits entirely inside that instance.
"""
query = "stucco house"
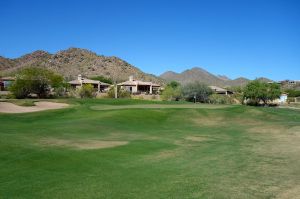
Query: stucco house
(221, 91)
(99, 86)
(139, 87)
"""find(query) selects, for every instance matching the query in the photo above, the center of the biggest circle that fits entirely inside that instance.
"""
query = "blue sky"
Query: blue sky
(250, 38)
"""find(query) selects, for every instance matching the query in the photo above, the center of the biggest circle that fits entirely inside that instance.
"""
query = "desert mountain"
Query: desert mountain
(191, 75)
(223, 77)
(201, 75)
(74, 61)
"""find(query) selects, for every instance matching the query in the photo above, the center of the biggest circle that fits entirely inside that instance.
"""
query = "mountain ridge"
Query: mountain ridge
(201, 75)
(74, 61)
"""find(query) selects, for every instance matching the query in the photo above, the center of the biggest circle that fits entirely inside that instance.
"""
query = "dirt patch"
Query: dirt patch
(6, 107)
(82, 144)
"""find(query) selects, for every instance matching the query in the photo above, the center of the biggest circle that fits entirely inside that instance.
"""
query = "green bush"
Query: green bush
(86, 91)
(172, 92)
(290, 99)
(60, 91)
(239, 98)
(196, 91)
(20, 88)
(293, 92)
(220, 99)
(256, 92)
(121, 93)
(35, 80)
(7, 96)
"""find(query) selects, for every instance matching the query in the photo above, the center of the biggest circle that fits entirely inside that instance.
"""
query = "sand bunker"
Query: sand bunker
(82, 144)
(6, 107)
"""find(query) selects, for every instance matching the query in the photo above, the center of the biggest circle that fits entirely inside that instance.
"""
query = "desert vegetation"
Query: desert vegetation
(116, 91)
(43, 83)
(86, 91)
(35, 80)
(257, 92)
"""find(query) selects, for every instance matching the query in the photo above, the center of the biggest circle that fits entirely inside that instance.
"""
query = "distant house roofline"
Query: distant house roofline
(80, 80)
(220, 90)
(7, 78)
(133, 82)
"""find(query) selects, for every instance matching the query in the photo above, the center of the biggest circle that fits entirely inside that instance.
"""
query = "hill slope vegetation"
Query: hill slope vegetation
(74, 61)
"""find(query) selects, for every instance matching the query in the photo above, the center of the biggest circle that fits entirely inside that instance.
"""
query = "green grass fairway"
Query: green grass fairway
(140, 149)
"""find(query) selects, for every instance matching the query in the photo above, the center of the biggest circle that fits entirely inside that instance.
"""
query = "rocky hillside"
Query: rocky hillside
(201, 75)
(191, 75)
(74, 61)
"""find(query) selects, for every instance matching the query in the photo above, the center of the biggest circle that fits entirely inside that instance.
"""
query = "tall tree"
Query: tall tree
(256, 92)
(197, 92)
(35, 80)
(172, 91)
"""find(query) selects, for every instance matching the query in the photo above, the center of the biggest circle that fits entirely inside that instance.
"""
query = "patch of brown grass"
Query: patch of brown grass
(267, 129)
(209, 121)
(196, 138)
(290, 193)
(191, 141)
(219, 120)
(164, 155)
(278, 140)
(81, 144)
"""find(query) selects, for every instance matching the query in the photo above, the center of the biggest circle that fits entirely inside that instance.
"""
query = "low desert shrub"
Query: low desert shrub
(197, 92)
(86, 91)
(220, 99)
(121, 93)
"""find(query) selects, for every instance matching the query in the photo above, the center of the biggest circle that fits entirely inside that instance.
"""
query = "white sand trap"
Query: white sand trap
(82, 144)
(6, 107)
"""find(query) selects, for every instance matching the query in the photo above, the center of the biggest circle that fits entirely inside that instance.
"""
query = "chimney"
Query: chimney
(80, 79)
(131, 78)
